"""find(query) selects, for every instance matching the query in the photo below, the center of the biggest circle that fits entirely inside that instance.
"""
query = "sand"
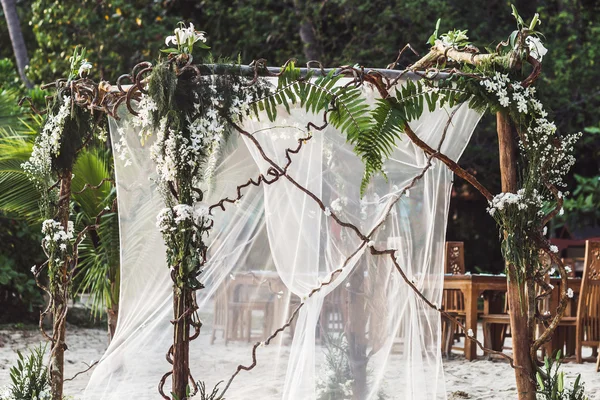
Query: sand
(480, 379)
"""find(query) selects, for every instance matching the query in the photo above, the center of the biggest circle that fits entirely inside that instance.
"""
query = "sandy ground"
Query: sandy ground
(481, 379)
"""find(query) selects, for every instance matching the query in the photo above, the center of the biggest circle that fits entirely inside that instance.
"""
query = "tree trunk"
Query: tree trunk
(357, 334)
(112, 311)
(307, 32)
(16, 38)
(59, 297)
(112, 315)
(182, 302)
(517, 298)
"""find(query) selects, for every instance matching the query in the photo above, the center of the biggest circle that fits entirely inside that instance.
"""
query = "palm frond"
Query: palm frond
(18, 195)
(92, 166)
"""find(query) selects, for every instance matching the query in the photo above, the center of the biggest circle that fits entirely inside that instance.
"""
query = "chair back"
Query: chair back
(588, 311)
(454, 258)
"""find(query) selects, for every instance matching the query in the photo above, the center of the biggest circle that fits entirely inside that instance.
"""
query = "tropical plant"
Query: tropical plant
(98, 272)
(29, 377)
(551, 383)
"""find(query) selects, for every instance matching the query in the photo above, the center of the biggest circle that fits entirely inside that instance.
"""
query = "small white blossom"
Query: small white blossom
(570, 293)
(84, 67)
(470, 332)
(554, 248)
(568, 269)
(327, 212)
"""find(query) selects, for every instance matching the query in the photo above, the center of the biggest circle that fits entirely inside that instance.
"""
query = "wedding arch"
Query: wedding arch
(325, 191)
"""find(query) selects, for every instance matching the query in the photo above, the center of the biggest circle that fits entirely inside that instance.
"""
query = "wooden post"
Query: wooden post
(182, 303)
(517, 298)
(59, 297)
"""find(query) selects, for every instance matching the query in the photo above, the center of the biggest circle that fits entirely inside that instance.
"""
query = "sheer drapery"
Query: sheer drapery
(365, 335)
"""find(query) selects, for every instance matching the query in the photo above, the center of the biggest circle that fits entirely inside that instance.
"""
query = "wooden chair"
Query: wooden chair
(587, 321)
(488, 321)
(221, 313)
(333, 312)
(234, 308)
(453, 301)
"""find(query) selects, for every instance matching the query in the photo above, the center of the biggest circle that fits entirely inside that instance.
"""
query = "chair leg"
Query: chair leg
(450, 337)
(487, 338)
(598, 360)
(578, 351)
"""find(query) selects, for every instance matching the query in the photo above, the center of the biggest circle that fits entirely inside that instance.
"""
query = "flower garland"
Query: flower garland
(547, 158)
(47, 145)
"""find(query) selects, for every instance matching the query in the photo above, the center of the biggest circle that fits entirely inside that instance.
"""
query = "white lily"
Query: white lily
(536, 47)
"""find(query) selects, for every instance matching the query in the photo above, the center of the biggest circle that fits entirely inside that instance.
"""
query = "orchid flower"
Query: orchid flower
(84, 67)
(185, 38)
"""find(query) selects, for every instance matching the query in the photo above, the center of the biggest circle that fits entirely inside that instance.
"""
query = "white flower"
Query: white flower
(34, 269)
(470, 333)
(185, 36)
(327, 211)
(232, 277)
(570, 293)
(336, 205)
(545, 231)
(552, 271)
(568, 269)
(63, 246)
(546, 313)
(536, 48)
(554, 249)
(370, 243)
(183, 212)
(84, 67)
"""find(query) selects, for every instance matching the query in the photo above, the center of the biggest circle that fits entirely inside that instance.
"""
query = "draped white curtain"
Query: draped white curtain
(366, 335)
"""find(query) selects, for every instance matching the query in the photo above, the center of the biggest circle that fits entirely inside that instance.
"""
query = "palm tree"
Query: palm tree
(98, 269)
(16, 38)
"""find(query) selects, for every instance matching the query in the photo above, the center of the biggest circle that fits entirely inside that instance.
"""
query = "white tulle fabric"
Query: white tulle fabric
(271, 248)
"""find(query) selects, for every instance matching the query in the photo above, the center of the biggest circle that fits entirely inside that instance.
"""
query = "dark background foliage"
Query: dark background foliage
(119, 33)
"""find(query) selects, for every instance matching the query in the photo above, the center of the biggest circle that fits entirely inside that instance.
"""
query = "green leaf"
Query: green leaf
(434, 35)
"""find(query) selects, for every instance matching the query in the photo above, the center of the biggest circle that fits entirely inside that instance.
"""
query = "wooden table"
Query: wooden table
(473, 286)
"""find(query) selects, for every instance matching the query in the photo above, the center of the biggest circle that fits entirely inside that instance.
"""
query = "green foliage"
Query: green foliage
(434, 35)
(29, 378)
(581, 208)
(9, 78)
(118, 34)
(98, 268)
(19, 250)
(456, 38)
(373, 132)
(551, 383)
(335, 382)
(18, 195)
